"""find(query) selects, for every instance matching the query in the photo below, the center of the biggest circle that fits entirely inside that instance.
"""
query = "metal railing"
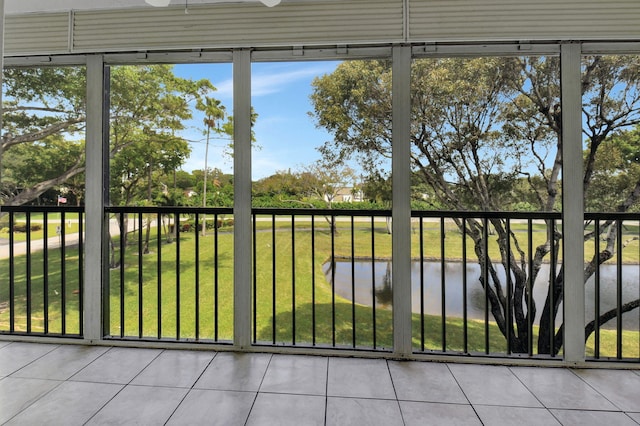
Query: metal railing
(41, 270)
(301, 296)
(326, 279)
(166, 280)
(489, 273)
(323, 278)
(613, 313)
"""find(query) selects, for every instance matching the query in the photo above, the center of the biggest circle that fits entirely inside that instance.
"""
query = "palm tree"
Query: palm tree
(214, 112)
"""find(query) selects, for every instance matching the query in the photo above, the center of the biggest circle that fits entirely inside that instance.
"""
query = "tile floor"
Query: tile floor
(46, 384)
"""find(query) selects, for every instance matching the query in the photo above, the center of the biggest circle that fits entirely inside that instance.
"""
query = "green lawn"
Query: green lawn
(313, 309)
(55, 225)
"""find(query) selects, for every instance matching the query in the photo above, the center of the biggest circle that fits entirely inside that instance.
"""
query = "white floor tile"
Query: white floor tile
(213, 408)
(357, 411)
(492, 385)
(560, 388)
(17, 394)
(428, 413)
(492, 415)
(425, 381)
(359, 378)
(592, 418)
(71, 403)
(232, 371)
(15, 356)
(292, 390)
(283, 410)
(306, 375)
(61, 363)
(140, 405)
(117, 365)
(174, 369)
(621, 387)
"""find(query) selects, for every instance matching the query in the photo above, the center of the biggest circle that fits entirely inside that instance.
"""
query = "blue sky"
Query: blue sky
(285, 135)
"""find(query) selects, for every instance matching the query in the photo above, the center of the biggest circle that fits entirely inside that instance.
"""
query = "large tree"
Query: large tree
(44, 116)
(40, 104)
(480, 124)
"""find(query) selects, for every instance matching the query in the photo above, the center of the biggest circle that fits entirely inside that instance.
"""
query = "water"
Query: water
(365, 288)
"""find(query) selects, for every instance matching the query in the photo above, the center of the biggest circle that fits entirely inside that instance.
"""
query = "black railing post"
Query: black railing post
(12, 274)
(313, 281)
(619, 247)
(159, 219)
(443, 287)
(530, 286)
(45, 270)
(176, 229)
(597, 289)
(29, 274)
(196, 283)
(63, 271)
(293, 280)
(465, 325)
(422, 298)
(140, 279)
(255, 278)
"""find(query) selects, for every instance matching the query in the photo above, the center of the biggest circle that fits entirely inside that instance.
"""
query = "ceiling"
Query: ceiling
(34, 6)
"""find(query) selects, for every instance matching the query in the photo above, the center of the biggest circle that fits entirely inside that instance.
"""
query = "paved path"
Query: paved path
(70, 240)
(20, 248)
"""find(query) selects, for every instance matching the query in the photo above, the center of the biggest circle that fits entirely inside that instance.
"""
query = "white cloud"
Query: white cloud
(276, 79)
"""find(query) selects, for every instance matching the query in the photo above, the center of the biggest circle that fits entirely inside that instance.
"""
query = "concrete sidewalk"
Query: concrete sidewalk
(20, 248)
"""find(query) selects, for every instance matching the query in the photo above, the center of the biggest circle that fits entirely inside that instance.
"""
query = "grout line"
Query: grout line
(124, 386)
(464, 393)
(326, 392)
(395, 392)
(258, 392)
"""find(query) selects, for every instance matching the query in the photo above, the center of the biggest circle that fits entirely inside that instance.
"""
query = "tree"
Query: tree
(148, 106)
(29, 164)
(283, 184)
(214, 113)
(40, 103)
(615, 170)
(325, 181)
(478, 127)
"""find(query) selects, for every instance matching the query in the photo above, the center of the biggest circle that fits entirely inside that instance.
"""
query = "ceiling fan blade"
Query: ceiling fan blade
(158, 3)
(270, 3)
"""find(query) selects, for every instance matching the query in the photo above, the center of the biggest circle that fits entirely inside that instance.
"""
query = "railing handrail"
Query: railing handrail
(612, 215)
(469, 214)
(168, 210)
(42, 209)
(324, 212)
(319, 212)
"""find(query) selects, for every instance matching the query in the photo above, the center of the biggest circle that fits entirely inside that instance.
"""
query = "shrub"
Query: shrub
(22, 227)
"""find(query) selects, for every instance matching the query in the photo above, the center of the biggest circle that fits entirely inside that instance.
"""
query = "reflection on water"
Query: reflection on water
(377, 291)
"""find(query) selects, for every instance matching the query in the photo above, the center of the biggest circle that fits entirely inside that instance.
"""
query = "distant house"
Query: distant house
(348, 194)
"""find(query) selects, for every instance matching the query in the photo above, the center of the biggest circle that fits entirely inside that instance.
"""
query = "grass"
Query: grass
(54, 221)
(304, 302)
(54, 293)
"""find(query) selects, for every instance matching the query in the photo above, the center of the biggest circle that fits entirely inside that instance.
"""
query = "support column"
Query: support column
(242, 260)
(572, 203)
(1, 75)
(94, 200)
(401, 172)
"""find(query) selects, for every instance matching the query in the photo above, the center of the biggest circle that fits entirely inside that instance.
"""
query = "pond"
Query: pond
(365, 288)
